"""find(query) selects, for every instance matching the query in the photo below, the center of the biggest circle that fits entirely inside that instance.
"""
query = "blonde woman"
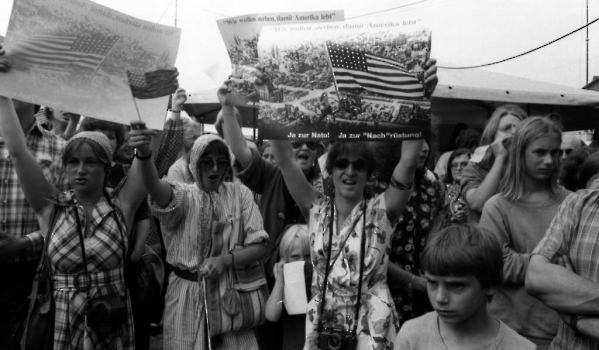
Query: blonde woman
(519, 216)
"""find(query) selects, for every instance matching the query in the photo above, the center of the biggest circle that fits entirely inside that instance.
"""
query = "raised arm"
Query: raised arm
(301, 190)
(402, 182)
(143, 167)
(31, 177)
(233, 134)
(170, 142)
(477, 197)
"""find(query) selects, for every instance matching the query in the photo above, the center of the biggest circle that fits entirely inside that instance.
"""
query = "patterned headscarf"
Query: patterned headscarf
(96, 137)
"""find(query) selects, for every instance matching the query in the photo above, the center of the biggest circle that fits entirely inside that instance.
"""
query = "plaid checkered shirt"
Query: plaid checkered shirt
(574, 232)
(16, 216)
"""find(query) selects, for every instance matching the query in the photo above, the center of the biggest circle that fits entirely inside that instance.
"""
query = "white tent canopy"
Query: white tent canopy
(478, 84)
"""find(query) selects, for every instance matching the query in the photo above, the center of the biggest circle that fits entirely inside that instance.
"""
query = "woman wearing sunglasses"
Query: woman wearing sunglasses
(350, 237)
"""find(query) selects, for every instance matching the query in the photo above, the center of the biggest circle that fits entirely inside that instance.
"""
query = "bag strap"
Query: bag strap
(43, 263)
(84, 256)
(328, 266)
(236, 235)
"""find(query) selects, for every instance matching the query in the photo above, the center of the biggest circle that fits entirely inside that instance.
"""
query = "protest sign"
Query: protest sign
(350, 81)
(241, 35)
(73, 55)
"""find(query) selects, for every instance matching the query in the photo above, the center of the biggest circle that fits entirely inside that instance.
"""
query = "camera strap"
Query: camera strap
(328, 265)
(84, 257)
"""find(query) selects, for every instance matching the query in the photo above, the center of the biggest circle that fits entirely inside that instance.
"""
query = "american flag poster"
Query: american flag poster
(74, 56)
(345, 81)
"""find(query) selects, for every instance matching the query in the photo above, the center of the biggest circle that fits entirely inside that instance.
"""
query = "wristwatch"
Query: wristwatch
(142, 157)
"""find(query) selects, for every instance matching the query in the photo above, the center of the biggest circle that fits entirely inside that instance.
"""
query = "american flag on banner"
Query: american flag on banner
(57, 50)
(354, 69)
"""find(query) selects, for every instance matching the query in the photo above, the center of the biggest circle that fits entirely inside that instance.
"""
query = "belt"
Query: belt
(185, 274)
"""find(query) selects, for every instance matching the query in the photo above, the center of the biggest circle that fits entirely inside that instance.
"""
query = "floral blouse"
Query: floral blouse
(408, 241)
(377, 322)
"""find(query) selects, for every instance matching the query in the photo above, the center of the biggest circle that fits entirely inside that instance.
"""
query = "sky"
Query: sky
(465, 32)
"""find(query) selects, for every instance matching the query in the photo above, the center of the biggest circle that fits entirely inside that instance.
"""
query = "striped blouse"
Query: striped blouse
(187, 219)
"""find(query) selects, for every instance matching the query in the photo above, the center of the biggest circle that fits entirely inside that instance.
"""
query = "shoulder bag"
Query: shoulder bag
(237, 299)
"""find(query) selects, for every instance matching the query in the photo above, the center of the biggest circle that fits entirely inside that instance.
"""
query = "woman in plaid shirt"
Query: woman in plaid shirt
(104, 221)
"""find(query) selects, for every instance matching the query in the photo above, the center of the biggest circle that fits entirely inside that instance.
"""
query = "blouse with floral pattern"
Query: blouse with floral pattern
(408, 241)
(377, 322)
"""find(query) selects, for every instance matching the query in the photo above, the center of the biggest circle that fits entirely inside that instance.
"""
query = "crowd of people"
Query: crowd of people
(494, 248)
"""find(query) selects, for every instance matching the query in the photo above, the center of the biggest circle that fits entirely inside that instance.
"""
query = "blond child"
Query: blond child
(294, 246)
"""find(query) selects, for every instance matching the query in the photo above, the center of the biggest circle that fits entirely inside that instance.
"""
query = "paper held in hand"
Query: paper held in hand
(296, 300)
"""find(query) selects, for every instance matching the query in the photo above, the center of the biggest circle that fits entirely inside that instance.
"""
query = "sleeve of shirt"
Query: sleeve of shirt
(35, 248)
(559, 235)
(143, 212)
(170, 146)
(176, 173)
(495, 221)
(174, 213)
(252, 220)
(472, 177)
(256, 174)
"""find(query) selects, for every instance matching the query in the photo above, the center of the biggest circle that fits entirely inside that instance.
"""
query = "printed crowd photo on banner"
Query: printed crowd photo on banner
(330, 80)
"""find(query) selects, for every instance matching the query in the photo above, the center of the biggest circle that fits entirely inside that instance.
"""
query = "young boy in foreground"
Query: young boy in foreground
(463, 267)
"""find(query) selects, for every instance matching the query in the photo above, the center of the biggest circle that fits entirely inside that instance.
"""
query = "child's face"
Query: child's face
(296, 253)
(457, 300)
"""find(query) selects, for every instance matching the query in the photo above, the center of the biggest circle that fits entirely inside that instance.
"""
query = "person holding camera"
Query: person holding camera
(350, 236)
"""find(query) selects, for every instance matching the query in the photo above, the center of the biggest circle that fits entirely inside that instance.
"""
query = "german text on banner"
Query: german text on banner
(73, 55)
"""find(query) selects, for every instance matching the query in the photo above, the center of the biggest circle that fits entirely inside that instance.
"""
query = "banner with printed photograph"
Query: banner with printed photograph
(73, 55)
(354, 81)
(241, 35)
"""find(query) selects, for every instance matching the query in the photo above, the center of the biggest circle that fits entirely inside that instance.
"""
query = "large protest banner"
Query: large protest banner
(73, 55)
(358, 81)
(348, 80)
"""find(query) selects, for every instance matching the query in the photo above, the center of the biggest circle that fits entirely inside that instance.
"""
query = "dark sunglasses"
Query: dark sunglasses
(310, 144)
(343, 163)
(208, 163)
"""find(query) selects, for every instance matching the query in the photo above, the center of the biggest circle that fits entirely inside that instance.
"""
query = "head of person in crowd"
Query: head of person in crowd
(458, 160)
(502, 124)
(218, 124)
(468, 138)
(191, 131)
(114, 132)
(589, 171)
(424, 153)
(209, 162)
(125, 153)
(533, 158)
(464, 256)
(295, 244)
(305, 154)
(457, 130)
(350, 165)
(87, 159)
(571, 167)
(266, 152)
(569, 143)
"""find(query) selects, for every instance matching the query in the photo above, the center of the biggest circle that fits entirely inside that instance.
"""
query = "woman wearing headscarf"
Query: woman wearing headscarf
(188, 212)
(89, 235)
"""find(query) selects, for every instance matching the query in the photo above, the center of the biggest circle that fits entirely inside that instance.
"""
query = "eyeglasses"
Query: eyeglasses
(343, 163)
(310, 144)
(208, 163)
